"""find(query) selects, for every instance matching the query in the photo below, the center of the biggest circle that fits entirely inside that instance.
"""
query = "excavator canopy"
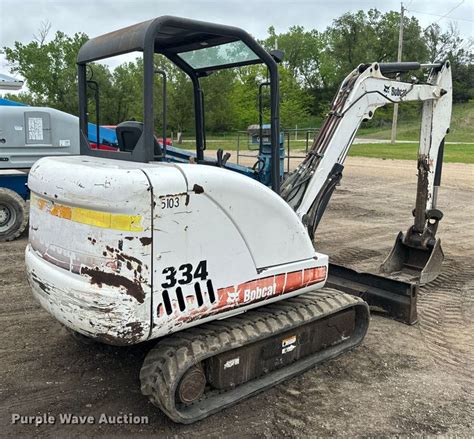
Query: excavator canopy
(193, 45)
(197, 48)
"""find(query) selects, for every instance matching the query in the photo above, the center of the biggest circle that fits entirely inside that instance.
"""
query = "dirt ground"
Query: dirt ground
(402, 380)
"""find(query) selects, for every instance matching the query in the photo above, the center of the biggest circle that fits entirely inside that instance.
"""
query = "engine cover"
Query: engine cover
(125, 251)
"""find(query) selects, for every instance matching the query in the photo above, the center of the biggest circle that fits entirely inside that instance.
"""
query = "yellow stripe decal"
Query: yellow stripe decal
(106, 220)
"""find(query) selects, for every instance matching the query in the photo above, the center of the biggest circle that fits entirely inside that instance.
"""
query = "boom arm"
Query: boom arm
(364, 90)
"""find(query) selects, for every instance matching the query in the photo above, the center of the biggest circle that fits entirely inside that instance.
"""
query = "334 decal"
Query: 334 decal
(184, 274)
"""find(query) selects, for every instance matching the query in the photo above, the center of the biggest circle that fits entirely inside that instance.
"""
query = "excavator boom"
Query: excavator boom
(417, 255)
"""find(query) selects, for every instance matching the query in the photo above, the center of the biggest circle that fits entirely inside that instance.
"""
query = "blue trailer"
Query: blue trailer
(13, 209)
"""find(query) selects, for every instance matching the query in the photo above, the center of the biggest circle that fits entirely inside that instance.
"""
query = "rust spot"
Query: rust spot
(100, 278)
(129, 265)
(93, 240)
(422, 192)
(120, 244)
(42, 285)
(129, 238)
(145, 241)
(134, 333)
(198, 189)
(123, 257)
(172, 195)
(131, 333)
(106, 310)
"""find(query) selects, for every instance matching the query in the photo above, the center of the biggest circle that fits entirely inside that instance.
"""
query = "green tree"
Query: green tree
(244, 96)
(361, 37)
(304, 61)
(217, 88)
(49, 69)
(127, 86)
(294, 101)
(315, 63)
(449, 45)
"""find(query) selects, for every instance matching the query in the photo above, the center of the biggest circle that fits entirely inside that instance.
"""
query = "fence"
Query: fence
(291, 138)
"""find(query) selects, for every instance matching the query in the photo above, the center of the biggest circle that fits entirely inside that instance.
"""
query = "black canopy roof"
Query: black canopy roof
(184, 42)
(169, 36)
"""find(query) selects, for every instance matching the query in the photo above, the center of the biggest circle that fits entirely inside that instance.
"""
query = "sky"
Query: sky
(21, 19)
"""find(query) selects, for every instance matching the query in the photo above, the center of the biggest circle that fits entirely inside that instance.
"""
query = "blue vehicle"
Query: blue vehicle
(13, 212)
(29, 133)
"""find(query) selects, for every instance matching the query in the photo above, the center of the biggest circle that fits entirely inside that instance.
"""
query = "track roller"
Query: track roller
(200, 371)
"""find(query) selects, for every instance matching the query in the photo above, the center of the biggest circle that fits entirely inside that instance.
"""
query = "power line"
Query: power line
(443, 16)
(437, 15)
(451, 10)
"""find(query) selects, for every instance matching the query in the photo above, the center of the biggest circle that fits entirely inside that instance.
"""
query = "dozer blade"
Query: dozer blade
(200, 371)
(396, 297)
(413, 263)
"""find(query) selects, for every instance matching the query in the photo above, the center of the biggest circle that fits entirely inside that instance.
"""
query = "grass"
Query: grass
(461, 130)
(229, 143)
(461, 153)
(462, 123)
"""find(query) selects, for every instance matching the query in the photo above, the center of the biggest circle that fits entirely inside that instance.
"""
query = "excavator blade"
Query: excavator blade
(394, 296)
(420, 264)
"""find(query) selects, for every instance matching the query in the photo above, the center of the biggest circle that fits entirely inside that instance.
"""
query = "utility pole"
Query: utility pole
(399, 59)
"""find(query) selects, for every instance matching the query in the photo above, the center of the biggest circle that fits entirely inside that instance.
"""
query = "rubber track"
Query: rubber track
(166, 363)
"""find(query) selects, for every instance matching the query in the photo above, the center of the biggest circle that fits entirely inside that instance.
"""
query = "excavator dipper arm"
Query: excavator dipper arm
(363, 91)
(416, 256)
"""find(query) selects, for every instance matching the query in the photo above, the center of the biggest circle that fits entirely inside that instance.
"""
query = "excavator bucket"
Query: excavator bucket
(414, 263)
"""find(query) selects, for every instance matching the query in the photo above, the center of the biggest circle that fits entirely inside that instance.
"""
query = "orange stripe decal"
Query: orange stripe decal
(261, 289)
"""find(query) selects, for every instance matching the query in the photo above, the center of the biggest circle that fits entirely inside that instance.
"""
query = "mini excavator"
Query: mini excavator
(213, 260)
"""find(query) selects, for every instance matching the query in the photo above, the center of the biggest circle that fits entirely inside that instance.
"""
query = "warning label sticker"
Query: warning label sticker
(35, 128)
(288, 344)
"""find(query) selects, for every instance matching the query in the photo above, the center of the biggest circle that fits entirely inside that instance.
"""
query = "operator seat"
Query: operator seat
(129, 132)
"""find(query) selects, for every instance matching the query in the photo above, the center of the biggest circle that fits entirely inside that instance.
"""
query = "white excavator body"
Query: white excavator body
(125, 247)
(124, 252)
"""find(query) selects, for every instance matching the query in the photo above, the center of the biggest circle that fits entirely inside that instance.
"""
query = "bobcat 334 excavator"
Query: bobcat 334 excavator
(135, 245)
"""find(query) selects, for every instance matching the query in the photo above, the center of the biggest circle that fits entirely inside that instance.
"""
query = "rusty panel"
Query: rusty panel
(89, 252)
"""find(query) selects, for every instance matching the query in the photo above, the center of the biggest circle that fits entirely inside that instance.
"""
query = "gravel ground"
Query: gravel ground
(403, 380)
